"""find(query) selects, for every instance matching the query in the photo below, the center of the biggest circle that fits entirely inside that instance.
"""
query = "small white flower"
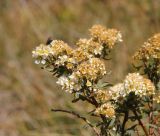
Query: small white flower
(119, 37)
(62, 80)
(37, 61)
(43, 62)
(61, 60)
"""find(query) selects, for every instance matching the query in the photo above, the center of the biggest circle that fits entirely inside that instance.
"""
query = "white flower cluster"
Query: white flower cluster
(150, 49)
(65, 61)
(117, 91)
(82, 67)
(105, 36)
(106, 109)
(133, 82)
(85, 74)
(92, 69)
(101, 96)
(56, 50)
(41, 53)
(69, 84)
(88, 45)
(102, 40)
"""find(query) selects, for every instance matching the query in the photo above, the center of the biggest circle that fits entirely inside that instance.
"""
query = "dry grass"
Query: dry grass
(26, 92)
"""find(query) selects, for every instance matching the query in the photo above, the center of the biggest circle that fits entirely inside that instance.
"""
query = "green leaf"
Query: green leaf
(151, 125)
(137, 67)
(103, 84)
(112, 122)
(155, 113)
(112, 133)
(130, 133)
(132, 128)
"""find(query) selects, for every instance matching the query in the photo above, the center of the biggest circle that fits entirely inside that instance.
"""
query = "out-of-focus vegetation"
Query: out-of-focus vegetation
(26, 93)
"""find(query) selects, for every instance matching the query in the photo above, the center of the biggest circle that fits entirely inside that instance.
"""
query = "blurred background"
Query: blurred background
(27, 93)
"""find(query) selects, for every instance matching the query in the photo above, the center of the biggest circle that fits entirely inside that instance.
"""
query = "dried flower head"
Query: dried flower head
(150, 49)
(105, 36)
(60, 48)
(97, 30)
(106, 109)
(65, 61)
(92, 69)
(41, 53)
(102, 95)
(156, 98)
(90, 46)
(80, 55)
(136, 83)
(110, 37)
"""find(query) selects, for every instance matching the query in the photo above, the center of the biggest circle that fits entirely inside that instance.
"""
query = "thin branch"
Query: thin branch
(140, 123)
(124, 123)
(137, 132)
(78, 116)
(83, 98)
(151, 117)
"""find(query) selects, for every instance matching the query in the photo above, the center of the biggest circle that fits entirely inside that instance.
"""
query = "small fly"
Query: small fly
(49, 40)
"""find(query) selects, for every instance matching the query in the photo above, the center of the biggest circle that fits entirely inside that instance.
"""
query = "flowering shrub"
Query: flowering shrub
(80, 72)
